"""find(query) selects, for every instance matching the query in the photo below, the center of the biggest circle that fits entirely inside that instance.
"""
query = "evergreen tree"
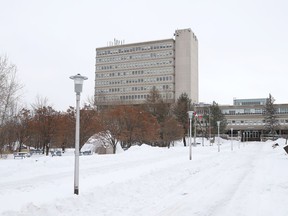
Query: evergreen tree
(271, 123)
(217, 115)
(180, 110)
(206, 122)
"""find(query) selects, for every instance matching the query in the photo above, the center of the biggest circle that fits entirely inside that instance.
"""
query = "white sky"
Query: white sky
(243, 44)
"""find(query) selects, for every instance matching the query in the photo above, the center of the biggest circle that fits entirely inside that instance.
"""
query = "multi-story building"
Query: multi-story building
(245, 118)
(126, 73)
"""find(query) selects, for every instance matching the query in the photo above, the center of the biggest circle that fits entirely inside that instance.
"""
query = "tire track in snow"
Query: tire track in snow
(237, 197)
(218, 186)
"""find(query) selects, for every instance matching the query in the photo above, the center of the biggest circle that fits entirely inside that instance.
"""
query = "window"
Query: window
(247, 111)
(232, 112)
(259, 111)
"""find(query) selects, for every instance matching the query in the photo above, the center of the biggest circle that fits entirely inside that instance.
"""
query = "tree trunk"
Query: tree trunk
(20, 146)
(47, 149)
(184, 141)
(43, 148)
(114, 144)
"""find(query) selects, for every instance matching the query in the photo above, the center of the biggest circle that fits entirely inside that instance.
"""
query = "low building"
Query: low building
(245, 117)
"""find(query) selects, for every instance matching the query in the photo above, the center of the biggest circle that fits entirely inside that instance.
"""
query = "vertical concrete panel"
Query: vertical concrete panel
(186, 64)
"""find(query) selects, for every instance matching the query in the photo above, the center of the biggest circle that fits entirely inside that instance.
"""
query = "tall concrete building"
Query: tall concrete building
(126, 73)
(186, 64)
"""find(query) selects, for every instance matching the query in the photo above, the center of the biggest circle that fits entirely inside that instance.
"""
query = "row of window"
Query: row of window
(136, 65)
(283, 110)
(250, 103)
(145, 96)
(255, 122)
(243, 112)
(166, 87)
(253, 111)
(135, 49)
(164, 70)
(245, 122)
(139, 80)
(135, 57)
(131, 97)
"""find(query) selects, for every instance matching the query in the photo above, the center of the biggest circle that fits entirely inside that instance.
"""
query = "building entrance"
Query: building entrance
(250, 135)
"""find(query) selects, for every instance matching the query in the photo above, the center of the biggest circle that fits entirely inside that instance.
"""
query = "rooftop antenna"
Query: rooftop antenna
(115, 42)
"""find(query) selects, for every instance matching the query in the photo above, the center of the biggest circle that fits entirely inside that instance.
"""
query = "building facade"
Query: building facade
(245, 118)
(126, 73)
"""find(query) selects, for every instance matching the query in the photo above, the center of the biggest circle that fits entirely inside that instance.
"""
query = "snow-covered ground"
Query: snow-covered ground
(251, 180)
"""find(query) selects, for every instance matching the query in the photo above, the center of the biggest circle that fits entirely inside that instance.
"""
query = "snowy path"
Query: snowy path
(151, 181)
(217, 191)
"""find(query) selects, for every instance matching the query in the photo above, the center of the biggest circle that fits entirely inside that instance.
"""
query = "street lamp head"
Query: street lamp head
(190, 113)
(218, 123)
(78, 82)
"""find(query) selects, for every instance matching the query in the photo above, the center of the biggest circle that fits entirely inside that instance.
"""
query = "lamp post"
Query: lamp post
(231, 139)
(78, 84)
(190, 114)
(218, 124)
(209, 128)
(195, 129)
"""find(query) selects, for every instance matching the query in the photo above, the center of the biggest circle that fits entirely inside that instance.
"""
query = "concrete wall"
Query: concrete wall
(186, 64)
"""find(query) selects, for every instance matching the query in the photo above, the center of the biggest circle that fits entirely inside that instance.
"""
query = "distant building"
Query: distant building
(126, 73)
(246, 118)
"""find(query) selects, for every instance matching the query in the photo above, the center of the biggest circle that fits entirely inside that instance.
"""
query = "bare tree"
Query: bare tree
(44, 126)
(90, 101)
(159, 109)
(21, 126)
(172, 130)
(40, 102)
(88, 123)
(9, 89)
(130, 125)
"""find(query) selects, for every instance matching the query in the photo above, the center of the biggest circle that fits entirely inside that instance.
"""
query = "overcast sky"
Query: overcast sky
(243, 44)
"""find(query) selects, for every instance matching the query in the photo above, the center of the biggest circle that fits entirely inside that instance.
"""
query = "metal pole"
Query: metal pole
(218, 141)
(76, 173)
(238, 143)
(190, 139)
(231, 139)
(194, 130)
(209, 128)
(218, 123)
(202, 139)
(243, 139)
